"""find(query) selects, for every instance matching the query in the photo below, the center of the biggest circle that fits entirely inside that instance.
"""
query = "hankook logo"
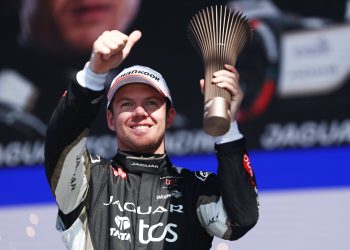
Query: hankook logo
(140, 72)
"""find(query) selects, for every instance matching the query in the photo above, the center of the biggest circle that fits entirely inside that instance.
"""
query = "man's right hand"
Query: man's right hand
(110, 49)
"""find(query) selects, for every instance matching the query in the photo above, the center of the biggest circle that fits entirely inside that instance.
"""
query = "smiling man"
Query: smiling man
(137, 112)
(138, 199)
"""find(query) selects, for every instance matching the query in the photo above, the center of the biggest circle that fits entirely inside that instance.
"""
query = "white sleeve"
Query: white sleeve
(89, 79)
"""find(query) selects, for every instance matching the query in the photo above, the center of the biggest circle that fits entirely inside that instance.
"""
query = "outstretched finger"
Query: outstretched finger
(132, 40)
(117, 36)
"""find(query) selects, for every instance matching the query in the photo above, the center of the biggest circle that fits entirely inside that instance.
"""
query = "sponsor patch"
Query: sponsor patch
(202, 175)
(121, 231)
(169, 182)
(131, 207)
(248, 168)
(95, 158)
(173, 193)
(144, 165)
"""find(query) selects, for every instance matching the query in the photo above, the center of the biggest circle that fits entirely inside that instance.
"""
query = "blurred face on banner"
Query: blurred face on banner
(76, 23)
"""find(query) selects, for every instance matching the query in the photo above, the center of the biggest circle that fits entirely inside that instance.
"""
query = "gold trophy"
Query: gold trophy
(218, 34)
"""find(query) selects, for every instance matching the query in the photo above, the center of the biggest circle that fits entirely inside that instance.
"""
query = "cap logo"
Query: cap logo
(140, 72)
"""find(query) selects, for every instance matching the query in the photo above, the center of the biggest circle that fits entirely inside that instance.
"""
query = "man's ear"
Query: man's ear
(110, 120)
(170, 117)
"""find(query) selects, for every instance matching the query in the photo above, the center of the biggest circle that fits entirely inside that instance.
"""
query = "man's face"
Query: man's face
(80, 22)
(139, 118)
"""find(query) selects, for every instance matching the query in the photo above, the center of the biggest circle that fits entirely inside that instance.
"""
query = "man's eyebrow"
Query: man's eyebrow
(120, 99)
(154, 97)
(147, 98)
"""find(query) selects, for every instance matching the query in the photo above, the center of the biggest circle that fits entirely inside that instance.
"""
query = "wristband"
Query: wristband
(88, 79)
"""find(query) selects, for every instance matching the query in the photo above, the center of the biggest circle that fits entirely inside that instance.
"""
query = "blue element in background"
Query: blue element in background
(24, 185)
(275, 170)
(288, 169)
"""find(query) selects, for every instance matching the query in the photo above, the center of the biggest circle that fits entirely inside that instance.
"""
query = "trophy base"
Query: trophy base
(216, 120)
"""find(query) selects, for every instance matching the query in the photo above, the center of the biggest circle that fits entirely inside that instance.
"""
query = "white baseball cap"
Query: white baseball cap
(139, 74)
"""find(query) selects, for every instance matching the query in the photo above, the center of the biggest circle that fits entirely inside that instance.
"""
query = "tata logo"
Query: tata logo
(123, 223)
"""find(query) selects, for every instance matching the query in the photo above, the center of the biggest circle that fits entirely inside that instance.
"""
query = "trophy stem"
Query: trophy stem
(216, 120)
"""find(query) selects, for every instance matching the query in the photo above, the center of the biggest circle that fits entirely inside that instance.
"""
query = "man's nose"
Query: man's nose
(140, 111)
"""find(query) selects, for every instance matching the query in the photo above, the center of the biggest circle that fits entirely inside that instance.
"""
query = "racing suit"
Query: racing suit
(141, 201)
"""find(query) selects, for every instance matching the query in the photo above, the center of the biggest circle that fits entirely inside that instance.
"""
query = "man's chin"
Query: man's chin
(146, 147)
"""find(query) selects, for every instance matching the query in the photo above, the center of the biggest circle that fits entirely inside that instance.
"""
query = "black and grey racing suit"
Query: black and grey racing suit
(139, 201)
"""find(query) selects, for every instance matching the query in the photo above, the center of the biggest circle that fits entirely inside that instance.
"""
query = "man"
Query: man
(139, 200)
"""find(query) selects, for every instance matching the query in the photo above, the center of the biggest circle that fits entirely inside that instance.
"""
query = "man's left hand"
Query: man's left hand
(228, 79)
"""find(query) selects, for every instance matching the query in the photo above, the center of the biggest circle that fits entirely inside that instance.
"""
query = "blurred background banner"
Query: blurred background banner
(295, 74)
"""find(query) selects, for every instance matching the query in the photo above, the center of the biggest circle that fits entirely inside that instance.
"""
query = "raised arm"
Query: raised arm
(228, 206)
(67, 161)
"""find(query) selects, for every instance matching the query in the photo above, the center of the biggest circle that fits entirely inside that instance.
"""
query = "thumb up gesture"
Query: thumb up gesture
(110, 49)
